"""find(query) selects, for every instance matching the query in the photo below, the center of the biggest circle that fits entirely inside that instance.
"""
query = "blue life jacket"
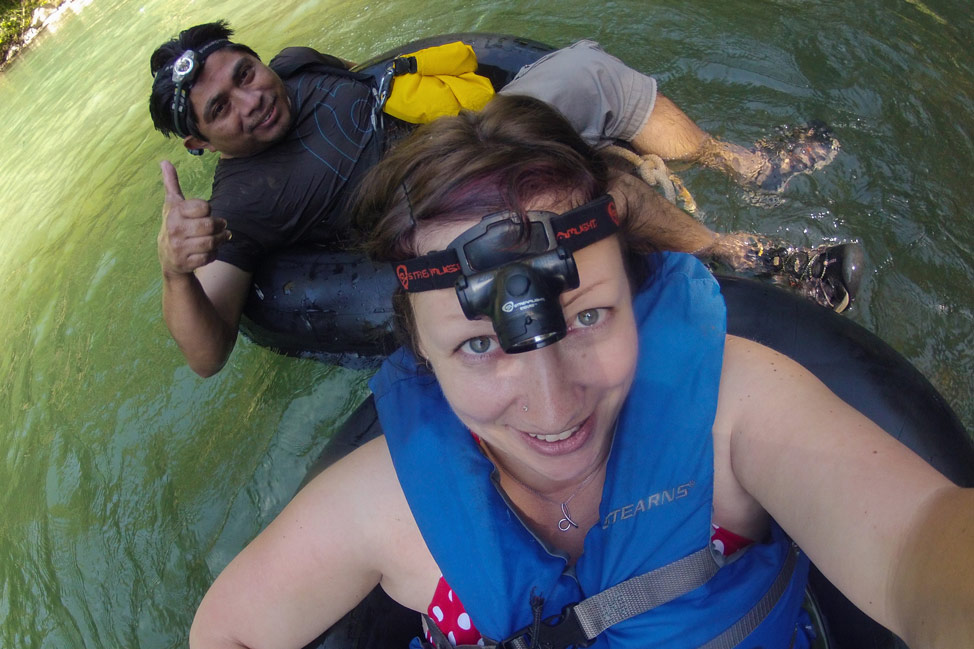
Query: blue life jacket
(656, 503)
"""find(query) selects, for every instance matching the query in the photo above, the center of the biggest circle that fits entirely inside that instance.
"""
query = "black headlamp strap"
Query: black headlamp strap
(573, 231)
(438, 269)
(587, 224)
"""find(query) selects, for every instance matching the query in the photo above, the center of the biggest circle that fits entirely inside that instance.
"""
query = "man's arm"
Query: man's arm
(202, 299)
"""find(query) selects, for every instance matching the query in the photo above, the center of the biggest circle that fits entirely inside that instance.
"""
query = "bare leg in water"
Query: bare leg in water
(770, 164)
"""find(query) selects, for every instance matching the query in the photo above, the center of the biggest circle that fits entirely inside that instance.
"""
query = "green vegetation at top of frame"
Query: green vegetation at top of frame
(15, 19)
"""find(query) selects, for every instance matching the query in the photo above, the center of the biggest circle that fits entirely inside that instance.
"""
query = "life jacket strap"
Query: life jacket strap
(734, 635)
(579, 624)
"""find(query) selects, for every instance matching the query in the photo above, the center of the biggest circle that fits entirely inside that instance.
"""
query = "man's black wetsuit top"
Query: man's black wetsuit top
(298, 189)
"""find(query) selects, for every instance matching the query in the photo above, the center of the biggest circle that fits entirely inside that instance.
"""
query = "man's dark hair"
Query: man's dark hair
(194, 38)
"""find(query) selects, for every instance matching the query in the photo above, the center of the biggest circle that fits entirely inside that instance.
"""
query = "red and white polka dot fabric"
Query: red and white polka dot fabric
(726, 542)
(449, 615)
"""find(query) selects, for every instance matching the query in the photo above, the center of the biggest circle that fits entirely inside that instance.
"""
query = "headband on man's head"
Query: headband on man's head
(185, 69)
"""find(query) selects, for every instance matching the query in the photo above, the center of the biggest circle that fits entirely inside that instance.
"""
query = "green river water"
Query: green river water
(127, 483)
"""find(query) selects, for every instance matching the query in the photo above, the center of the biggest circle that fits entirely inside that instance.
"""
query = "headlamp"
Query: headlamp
(184, 73)
(184, 66)
(512, 276)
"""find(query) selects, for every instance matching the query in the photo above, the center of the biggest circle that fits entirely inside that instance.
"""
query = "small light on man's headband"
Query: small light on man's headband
(183, 67)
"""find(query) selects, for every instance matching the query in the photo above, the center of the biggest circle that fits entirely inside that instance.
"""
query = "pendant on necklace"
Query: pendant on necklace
(566, 523)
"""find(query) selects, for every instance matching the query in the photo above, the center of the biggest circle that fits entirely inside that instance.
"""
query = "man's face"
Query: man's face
(241, 105)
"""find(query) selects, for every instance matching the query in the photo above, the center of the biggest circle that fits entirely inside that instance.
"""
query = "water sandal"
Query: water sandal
(829, 275)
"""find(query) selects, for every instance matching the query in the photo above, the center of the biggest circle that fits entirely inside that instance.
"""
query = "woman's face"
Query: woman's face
(573, 390)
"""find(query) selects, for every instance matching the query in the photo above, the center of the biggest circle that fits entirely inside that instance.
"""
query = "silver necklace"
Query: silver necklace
(566, 523)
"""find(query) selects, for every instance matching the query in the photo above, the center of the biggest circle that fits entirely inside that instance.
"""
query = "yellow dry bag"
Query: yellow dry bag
(443, 84)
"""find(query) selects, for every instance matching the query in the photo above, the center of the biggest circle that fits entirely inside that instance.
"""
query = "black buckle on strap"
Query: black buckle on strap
(404, 65)
(557, 632)
(400, 65)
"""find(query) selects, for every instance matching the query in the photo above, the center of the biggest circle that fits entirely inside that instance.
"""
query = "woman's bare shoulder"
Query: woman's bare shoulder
(346, 531)
(361, 488)
(362, 491)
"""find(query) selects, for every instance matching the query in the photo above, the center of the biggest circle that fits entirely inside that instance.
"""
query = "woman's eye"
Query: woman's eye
(478, 345)
(588, 317)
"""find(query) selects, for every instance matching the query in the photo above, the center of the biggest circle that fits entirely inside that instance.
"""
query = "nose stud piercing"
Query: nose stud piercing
(524, 408)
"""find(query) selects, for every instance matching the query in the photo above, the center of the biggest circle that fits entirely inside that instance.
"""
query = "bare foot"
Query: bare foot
(772, 162)
(795, 151)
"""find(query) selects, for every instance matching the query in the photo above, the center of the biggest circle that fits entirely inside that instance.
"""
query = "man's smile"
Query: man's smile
(268, 118)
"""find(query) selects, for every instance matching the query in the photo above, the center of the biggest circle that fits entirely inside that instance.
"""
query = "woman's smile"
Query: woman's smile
(567, 441)
(560, 437)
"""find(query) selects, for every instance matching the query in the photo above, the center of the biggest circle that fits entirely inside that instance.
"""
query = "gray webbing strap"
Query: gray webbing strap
(743, 627)
(642, 593)
(645, 592)
(627, 599)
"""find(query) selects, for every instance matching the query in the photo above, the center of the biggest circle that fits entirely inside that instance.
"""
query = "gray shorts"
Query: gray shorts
(602, 97)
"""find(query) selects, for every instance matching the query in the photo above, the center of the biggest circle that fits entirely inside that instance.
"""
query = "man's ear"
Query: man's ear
(196, 146)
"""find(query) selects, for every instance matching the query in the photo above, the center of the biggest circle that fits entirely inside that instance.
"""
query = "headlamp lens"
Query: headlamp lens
(184, 67)
(521, 299)
(542, 340)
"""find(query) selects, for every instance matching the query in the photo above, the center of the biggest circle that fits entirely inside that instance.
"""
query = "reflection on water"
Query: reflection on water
(127, 482)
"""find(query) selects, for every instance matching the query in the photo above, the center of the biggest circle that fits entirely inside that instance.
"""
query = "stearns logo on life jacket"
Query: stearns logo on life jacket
(651, 501)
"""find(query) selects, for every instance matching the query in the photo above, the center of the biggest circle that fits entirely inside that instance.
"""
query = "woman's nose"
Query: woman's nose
(550, 390)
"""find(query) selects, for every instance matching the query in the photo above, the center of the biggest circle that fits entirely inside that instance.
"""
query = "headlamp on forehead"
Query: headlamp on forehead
(185, 70)
(515, 277)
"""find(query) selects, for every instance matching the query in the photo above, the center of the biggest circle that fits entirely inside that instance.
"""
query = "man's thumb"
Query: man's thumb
(170, 181)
